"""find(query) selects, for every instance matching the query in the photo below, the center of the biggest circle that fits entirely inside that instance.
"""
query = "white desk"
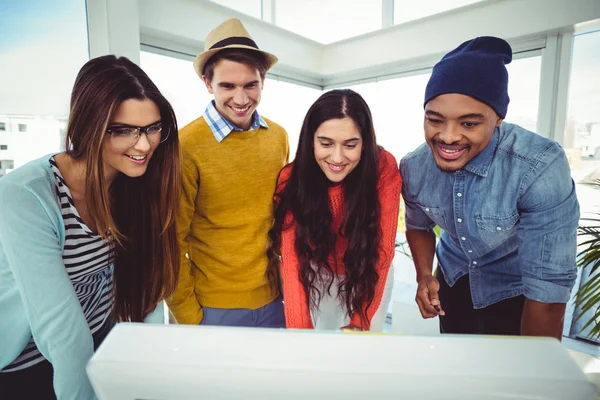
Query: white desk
(139, 361)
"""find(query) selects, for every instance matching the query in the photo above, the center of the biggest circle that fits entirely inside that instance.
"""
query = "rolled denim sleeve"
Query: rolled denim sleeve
(547, 234)
(414, 217)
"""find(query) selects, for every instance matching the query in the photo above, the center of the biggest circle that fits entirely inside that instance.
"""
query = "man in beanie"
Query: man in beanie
(231, 158)
(503, 197)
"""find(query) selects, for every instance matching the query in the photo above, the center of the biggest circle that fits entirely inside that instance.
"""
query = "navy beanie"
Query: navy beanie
(477, 69)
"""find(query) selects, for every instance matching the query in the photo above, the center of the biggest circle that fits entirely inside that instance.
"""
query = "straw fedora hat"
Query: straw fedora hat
(231, 34)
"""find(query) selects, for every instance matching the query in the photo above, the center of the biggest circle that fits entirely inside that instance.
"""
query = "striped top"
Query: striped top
(88, 260)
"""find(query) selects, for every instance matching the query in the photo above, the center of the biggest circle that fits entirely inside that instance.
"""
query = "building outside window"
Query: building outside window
(582, 144)
(34, 30)
(582, 129)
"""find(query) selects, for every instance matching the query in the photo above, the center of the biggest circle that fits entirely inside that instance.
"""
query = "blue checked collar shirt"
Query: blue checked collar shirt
(221, 127)
(509, 218)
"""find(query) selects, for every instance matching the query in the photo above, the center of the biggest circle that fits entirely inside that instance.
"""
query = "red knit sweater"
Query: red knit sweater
(297, 313)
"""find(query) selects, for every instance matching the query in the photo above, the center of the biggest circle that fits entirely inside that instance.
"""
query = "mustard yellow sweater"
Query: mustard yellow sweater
(224, 216)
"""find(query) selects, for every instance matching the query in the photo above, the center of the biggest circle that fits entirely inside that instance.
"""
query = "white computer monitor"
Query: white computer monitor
(173, 362)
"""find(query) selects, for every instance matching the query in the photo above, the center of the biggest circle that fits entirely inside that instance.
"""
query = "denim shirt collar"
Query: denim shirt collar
(480, 165)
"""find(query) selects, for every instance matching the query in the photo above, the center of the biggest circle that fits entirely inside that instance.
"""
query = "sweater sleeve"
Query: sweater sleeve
(287, 148)
(388, 190)
(295, 301)
(183, 302)
(30, 242)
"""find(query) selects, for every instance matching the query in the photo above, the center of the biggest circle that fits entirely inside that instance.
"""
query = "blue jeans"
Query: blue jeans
(268, 316)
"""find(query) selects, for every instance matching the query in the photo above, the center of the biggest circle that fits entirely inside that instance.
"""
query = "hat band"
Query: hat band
(235, 40)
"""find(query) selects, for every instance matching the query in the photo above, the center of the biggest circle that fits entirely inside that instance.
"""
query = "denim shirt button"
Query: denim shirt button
(463, 238)
(459, 220)
(459, 194)
(470, 251)
(474, 262)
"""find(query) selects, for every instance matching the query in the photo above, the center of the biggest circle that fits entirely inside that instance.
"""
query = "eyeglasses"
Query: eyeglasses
(126, 136)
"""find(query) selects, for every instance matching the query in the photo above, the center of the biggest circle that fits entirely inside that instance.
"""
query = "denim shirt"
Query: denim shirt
(509, 218)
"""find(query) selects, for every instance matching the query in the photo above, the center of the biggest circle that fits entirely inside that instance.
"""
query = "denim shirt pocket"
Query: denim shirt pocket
(559, 255)
(436, 214)
(494, 230)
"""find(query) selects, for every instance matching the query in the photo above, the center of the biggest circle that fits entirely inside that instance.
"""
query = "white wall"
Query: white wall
(184, 24)
(113, 27)
(514, 20)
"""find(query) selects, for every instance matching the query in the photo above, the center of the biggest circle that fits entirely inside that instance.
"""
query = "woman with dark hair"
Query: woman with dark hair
(87, 237)
(336, 215)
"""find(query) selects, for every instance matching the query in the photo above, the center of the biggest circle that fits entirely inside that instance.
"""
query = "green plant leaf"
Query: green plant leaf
(588, 295)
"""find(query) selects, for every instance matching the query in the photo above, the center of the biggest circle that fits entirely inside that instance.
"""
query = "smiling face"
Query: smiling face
(457, 129)
(338, 148)
(237, 89)
(132, 161)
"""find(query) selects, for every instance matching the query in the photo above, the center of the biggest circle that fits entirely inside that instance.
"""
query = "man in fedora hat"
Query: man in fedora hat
(503, 197)
(231, 157)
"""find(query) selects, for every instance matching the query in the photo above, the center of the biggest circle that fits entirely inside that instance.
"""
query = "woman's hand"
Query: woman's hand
(350, 327)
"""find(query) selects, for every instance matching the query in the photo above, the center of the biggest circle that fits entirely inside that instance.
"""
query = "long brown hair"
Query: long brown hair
(137, 213)
(305, 196)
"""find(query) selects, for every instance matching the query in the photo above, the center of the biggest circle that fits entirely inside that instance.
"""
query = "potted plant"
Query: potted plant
(588, 295)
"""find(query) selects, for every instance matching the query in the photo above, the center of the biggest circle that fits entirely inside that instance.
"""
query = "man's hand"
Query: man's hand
(427, 297)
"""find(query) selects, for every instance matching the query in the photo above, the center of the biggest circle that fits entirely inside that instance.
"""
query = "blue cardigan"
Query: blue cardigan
(36, 294)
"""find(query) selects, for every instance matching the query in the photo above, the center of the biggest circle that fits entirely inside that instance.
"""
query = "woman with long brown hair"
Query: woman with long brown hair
(87, 237)
(336, 215)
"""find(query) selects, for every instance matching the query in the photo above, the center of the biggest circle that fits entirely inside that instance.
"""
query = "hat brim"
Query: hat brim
(202, 58)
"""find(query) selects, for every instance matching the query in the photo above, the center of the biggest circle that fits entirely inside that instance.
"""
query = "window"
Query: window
(328, 21)
(400, 114)
(179, 83)
(31, 31)
(408, 10)
(3, 147)
(582, 128)
(524, 91)
(2, 126)
(291, 112)
(250, 7)
(5, 165)
(397, 108)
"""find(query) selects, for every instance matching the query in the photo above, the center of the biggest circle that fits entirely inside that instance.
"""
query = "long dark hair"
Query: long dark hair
(138, 214)
(305, 196)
